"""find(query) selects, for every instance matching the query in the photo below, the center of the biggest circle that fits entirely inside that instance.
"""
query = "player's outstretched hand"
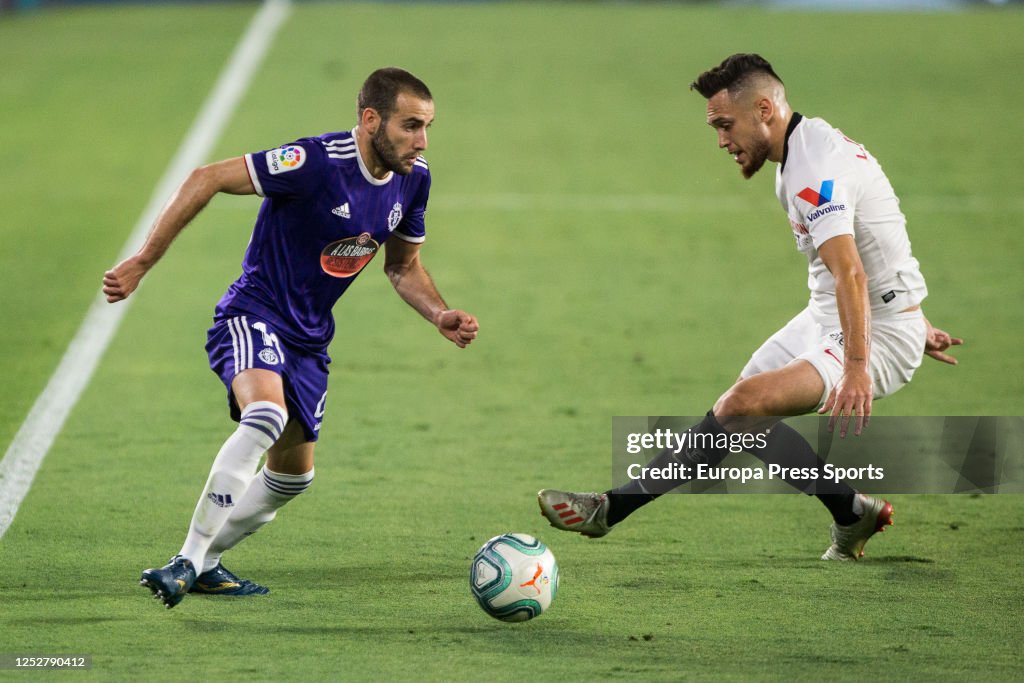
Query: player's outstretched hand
(458, 326)
(123, 279)
(937, 342)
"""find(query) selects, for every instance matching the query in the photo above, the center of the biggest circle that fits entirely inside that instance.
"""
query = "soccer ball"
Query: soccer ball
(514, 577)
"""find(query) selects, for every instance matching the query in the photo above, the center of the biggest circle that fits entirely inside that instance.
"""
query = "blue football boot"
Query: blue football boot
(219, 581)
(171, 582)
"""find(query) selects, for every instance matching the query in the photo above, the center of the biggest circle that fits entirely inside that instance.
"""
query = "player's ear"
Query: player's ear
(765, 109)
(369, 120)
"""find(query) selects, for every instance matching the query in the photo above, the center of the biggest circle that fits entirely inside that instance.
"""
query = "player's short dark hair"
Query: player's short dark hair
(382, 87)
(733, 74)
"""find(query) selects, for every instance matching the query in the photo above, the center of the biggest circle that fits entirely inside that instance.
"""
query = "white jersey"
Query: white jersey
(830, 185)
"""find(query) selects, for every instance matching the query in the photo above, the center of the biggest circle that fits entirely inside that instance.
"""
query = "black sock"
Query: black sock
(628, 498)
(622, 505)
(786, 447)
(840, 505)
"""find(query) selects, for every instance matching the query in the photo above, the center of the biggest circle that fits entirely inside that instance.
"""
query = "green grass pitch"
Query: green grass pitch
(619, 266)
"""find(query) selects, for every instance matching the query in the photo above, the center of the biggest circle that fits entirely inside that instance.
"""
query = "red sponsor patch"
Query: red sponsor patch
(347, 257)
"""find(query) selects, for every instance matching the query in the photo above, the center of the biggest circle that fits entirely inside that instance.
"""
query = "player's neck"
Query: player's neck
(371, 160)
(780, 130)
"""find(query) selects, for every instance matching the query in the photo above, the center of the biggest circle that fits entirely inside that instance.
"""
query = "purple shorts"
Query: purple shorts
(245, 342)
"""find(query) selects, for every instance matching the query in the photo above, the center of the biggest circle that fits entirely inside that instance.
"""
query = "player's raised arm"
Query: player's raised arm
(412, 282)
(230, 176)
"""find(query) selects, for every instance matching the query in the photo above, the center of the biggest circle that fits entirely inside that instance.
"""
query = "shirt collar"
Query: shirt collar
(362, 166)
(796, 118)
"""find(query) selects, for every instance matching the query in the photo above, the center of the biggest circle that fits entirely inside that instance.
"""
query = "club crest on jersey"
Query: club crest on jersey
(269, 357)
(346, 257)
(395, 217)
(286, 158)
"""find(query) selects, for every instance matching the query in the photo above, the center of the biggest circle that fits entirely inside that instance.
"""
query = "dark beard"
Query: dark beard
(757, 155)
(386, 151)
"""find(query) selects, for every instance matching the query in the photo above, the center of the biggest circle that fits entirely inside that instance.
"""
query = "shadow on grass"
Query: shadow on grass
(904, 559)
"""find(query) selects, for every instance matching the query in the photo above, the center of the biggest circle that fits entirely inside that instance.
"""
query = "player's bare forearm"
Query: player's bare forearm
(412, 282)
(852, 395)
(184, 205)
(854, 317)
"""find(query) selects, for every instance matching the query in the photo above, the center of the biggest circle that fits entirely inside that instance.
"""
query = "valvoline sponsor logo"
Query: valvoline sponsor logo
(821, 199)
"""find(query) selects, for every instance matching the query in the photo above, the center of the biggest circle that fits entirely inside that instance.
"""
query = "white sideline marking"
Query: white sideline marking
(46, 418)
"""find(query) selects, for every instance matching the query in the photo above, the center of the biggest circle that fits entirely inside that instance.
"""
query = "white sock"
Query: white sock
(261, 425)
(267, 493)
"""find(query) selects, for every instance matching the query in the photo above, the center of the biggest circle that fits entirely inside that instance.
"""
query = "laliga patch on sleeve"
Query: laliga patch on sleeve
(284, 159)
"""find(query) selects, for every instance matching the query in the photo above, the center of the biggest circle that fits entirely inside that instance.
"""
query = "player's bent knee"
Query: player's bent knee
(739, 401)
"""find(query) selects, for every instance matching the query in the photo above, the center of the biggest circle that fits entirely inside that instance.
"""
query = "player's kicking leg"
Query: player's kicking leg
(792, 390)
(594, 514)
(588, 514)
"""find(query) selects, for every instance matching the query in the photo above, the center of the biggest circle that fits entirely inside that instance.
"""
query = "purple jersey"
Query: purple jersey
(323, 218)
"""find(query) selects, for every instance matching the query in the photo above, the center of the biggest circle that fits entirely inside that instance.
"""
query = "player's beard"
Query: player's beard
(385, 149)
(757, 154)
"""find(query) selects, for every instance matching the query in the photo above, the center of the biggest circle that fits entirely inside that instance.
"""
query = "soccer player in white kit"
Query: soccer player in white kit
(862, 334)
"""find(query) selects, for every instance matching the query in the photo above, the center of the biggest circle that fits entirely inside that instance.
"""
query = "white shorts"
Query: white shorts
(897, 347)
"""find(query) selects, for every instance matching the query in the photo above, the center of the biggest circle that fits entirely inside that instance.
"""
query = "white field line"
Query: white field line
(46, 418)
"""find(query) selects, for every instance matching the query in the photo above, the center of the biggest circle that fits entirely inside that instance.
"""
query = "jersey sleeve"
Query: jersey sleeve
(290, 170)
(412, 228)
(826, 203)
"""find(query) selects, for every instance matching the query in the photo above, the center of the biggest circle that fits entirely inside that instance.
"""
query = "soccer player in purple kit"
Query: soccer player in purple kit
(330, 203)
(861, 336)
